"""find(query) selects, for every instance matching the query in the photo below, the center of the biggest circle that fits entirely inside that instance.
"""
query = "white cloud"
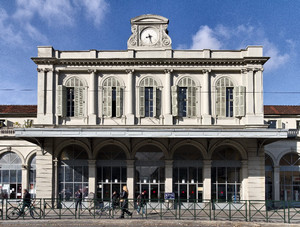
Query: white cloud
(8, 34)
(239, 38)
(95, 10)
(35, 34)
(205, 39)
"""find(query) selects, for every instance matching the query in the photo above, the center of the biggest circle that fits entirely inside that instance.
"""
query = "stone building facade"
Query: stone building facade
(152, 118)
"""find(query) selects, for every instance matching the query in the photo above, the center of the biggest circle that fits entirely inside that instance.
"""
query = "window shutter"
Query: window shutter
(174, 90)
(154, 101)
(119, 102)
(109, 102)
(105, 101)
(79, 99)
(142, 101)
(279, 124)
(221, 102)
(191, 101)
(239, 101)
(61, 101)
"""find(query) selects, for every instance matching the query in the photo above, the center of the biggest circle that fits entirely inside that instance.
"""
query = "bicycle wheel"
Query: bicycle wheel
(36, 212)
(13, 213)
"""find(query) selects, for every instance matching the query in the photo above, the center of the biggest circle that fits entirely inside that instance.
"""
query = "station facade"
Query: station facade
(155, 119)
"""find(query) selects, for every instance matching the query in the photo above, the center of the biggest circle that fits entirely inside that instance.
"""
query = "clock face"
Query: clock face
(149, 36)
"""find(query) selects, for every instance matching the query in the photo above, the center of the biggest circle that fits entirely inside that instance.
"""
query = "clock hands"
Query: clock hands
(149, 37)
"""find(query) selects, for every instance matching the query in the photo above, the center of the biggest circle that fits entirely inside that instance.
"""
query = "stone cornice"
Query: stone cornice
(166, 62)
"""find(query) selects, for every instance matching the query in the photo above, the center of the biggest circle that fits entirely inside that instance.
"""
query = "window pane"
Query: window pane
(77, 174)
(182, 175)
(68, 174)
(107, 174)
(116, 174)
(221, 174)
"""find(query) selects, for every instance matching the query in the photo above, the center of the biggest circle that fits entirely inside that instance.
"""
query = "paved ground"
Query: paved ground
(137, 223)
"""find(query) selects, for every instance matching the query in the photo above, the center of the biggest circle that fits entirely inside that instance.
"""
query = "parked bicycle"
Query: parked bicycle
(16, 212)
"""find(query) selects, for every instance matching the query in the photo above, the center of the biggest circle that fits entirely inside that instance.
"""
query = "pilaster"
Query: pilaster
(92, 104)
(129, 100)
(169, 175)
(206, 179)
(130, 178)
(168, 118)
(244, 180)
(276, 183)
(25, 177)
(92, 176)
(206, 102)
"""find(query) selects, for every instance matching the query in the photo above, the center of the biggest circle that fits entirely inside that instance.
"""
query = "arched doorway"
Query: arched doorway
(290, 177)
(187, 173)
(269, 177)
(150, 172)
(11, 175)
(73, 171)
(111, 171)
(226, 174)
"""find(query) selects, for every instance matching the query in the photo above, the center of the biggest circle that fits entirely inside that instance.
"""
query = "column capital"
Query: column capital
(24, 166)
(168, 71)
(244, 162)
(39, 70)
(92, 70)
(206, 70)
(130, 162)
(129, 71)
(48, 70)
(168, 162)
(92, 162)
(207, 162)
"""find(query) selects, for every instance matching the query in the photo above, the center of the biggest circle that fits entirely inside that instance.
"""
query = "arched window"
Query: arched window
(290, 177)
(230, 100)
(187, 174)
(71, 98)
(269, 172)
(111, 171)
(150, 98)
(32, 176)
(11, 175)
(226, 180)
(184, 98)
(73, 171)
(112, 98)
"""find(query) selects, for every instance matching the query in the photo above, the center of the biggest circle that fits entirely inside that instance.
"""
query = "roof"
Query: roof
(18, 109)
(281, 110)
(268, 109)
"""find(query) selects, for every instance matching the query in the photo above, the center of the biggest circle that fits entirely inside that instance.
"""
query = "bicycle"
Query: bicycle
(14, 213)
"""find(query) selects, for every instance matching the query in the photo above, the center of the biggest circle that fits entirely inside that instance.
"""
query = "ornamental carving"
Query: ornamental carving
(133, 38)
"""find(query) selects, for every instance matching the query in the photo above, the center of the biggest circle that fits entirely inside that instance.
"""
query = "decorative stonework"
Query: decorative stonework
(149, 32)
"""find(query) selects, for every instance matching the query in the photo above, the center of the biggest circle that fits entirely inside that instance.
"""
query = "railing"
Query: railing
(248, 210)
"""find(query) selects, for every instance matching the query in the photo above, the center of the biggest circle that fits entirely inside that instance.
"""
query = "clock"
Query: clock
(149, 36)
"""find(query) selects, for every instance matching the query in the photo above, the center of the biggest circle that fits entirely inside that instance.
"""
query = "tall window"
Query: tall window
(70, 98)
(73, 172)
(111, 171)
(290, 177)
(226, 180)
(184, 98)
(11, 175)
(187, 174)
(230, 100)
(149, 99)
(112, 98)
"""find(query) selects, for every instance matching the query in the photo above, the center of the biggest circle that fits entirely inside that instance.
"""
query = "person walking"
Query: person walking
(124, 202)
(141, 202)
(78, 199)
(26, 200)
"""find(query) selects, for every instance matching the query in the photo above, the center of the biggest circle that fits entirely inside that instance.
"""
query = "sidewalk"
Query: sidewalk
(137, 223)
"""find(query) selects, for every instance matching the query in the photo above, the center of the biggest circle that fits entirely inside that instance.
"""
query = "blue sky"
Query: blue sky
(105, 25)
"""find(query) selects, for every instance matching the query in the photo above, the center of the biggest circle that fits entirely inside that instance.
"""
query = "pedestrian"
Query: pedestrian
(141, 202)
(78, 199)
(115, 200)
(26, 200)
(124, 202)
